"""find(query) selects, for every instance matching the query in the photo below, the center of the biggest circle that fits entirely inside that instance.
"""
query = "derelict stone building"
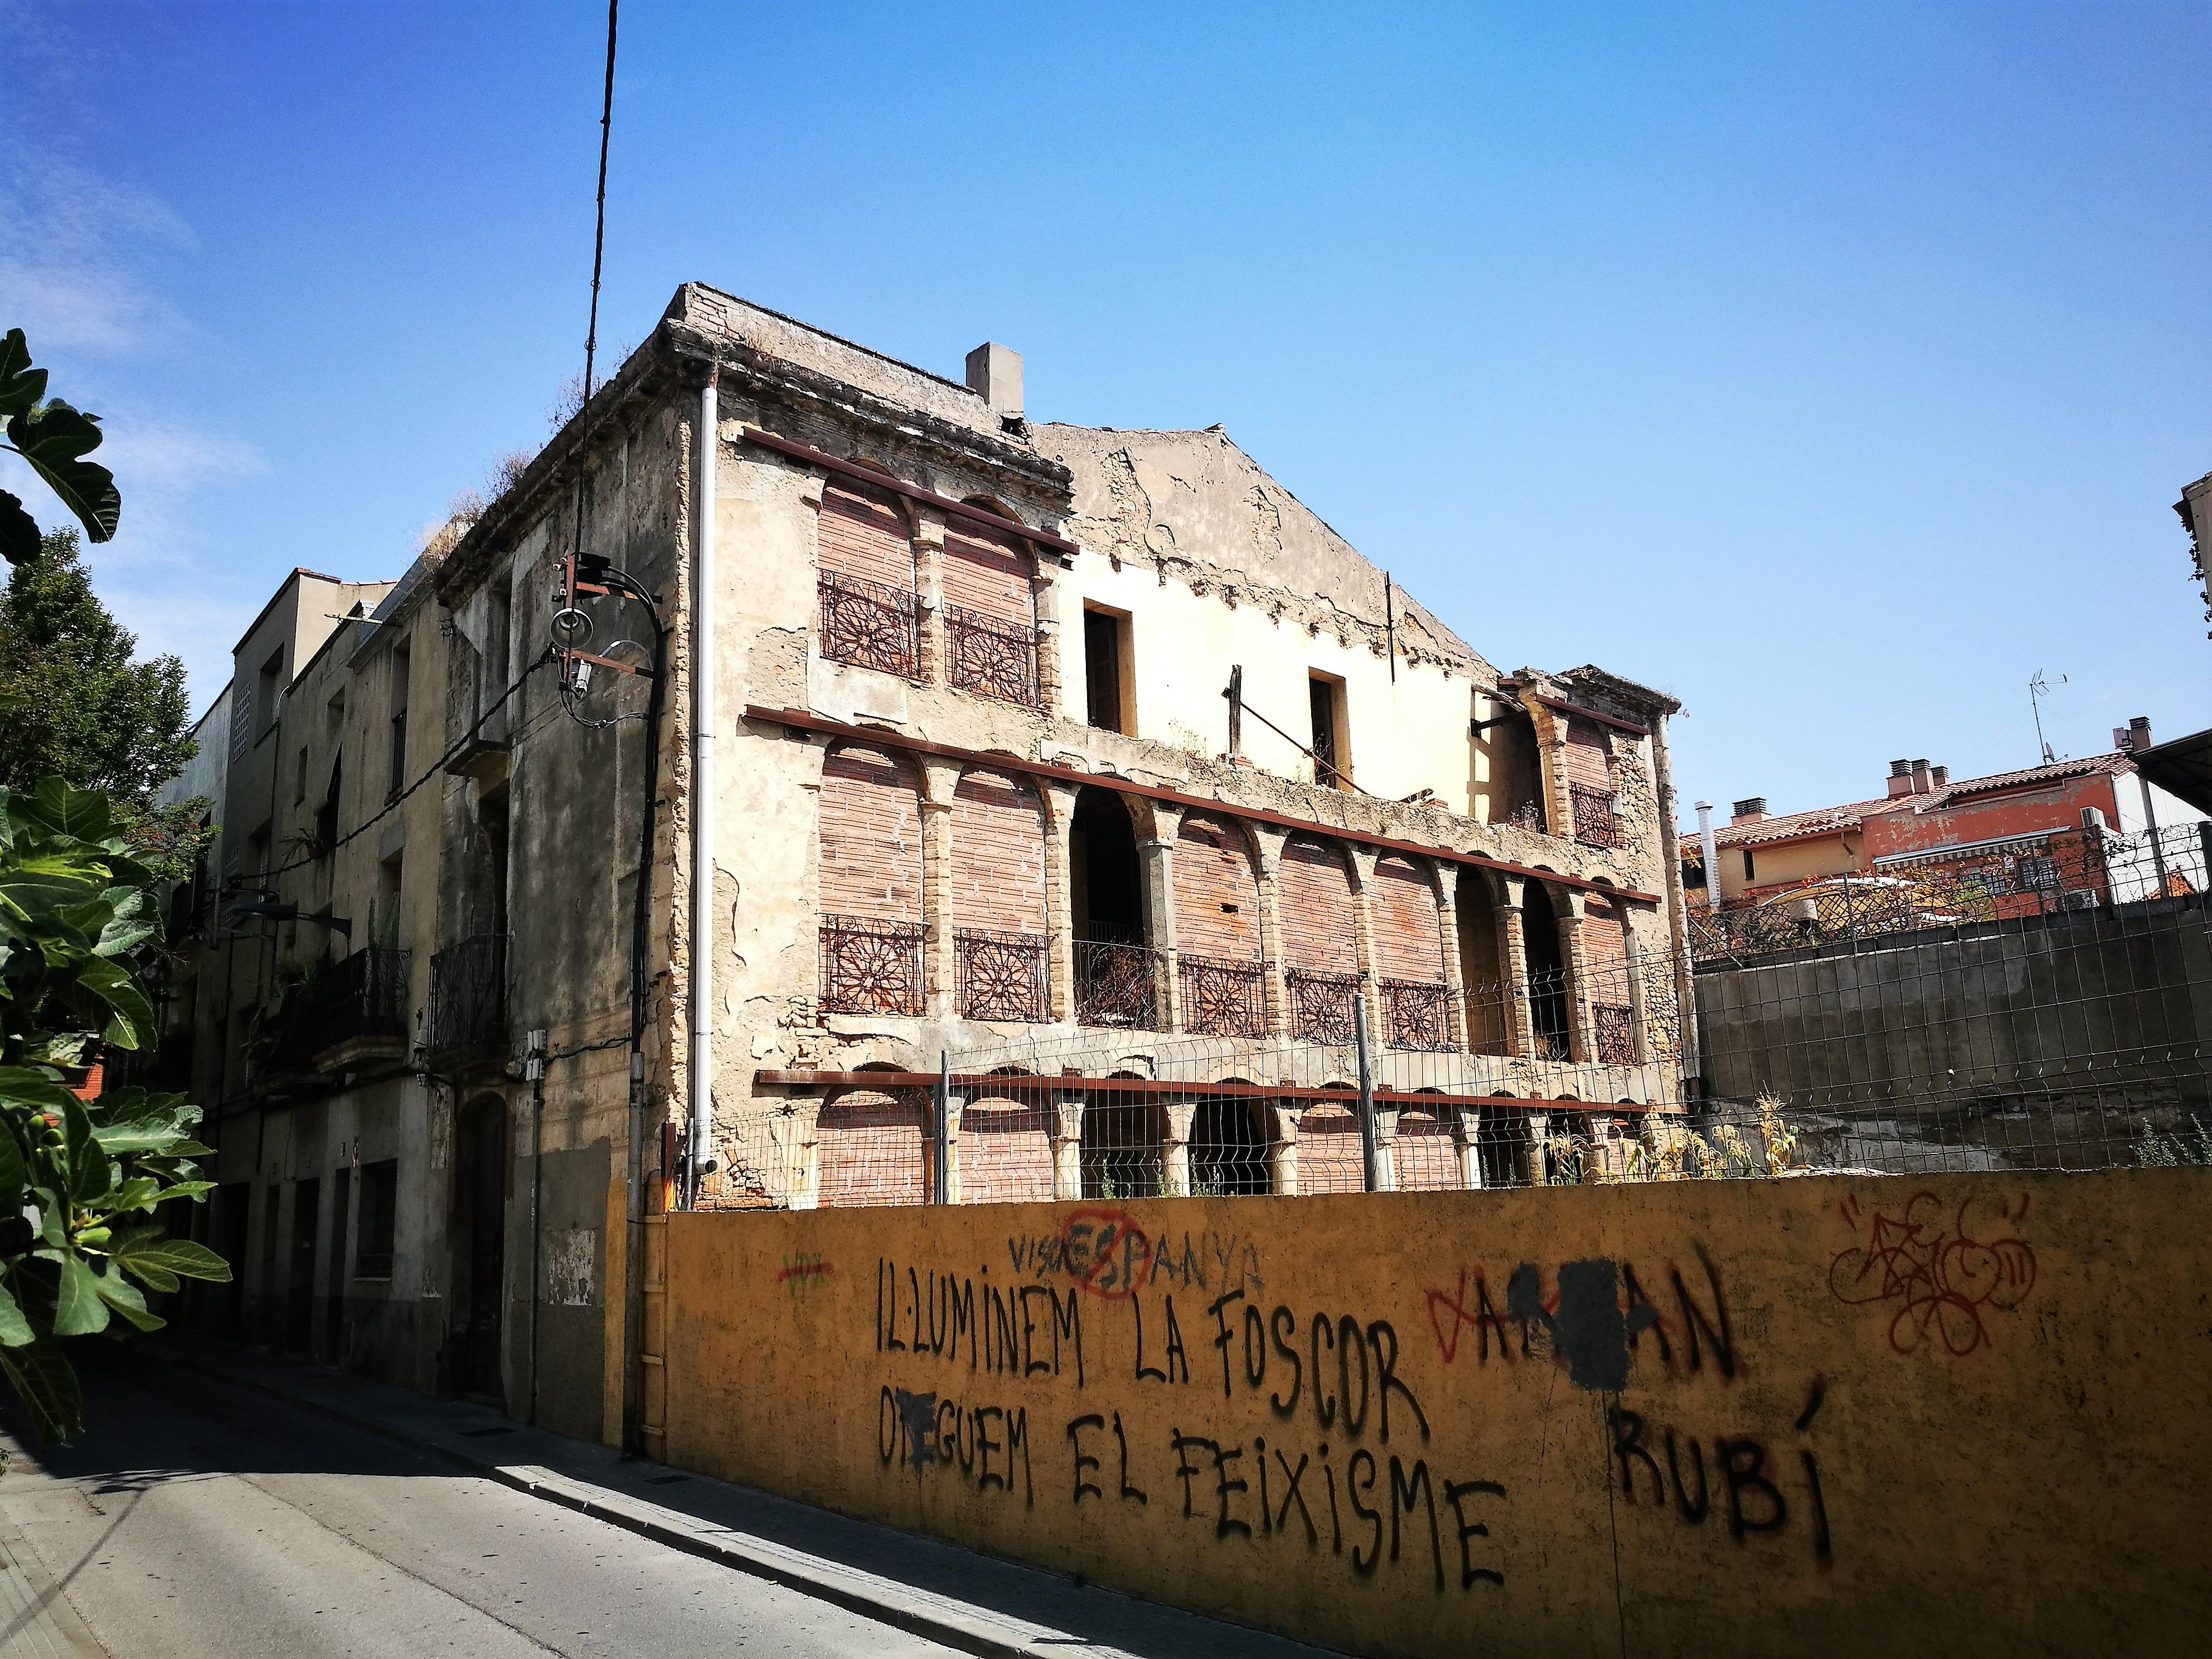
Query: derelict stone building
(969, 732)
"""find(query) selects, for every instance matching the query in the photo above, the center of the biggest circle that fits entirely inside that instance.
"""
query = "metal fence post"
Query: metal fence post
(1369, 1153)
(940, 1182)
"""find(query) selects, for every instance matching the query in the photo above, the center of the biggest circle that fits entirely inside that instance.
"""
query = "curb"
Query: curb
(794, 1569)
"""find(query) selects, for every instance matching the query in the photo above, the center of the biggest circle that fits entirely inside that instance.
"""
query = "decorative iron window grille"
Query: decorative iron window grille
(1117, 985)
(1595, 823)
(467, 994)
(1415, 1015)
(1321, 1005)
(869, 624)
(1223, 999)
(870, 967)
(996, 659)
(1001, 975)
(1615, 1029)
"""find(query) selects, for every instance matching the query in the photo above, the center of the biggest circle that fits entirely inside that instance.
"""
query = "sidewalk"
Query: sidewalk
(973, 1602)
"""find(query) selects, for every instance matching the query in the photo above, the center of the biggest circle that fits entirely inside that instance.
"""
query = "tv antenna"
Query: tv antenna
(2037, 689)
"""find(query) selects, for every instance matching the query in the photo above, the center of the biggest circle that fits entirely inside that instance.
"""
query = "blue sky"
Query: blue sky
(1833, 371)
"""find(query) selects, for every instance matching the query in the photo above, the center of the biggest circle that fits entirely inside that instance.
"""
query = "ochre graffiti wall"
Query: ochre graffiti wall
(1958, 1415)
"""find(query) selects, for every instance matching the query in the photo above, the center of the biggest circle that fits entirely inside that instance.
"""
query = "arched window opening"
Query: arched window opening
(1006, 1152)
(1427, 1155)
(870, 830)
(1410, 952)
(1590, 799)
(1547, 972)
(873, 1150)
(865, 579)
(998, 897)
(1331, 1156)
(1218, 941)
(1481, 970)
(1228, 1149)
(1321, 932)
(1122, 1145)
(1605, 975)
(1118, 980)
(990, 613)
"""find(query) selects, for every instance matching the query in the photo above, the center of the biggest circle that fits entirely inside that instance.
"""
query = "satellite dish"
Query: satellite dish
(571, 626)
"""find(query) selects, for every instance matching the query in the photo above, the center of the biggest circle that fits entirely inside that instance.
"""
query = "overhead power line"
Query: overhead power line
(599, 232)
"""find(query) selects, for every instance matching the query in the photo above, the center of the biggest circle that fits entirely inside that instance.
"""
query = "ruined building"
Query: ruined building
(987, 730)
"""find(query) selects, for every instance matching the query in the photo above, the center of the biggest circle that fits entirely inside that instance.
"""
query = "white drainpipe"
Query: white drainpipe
(1712, 854)
(705, 444)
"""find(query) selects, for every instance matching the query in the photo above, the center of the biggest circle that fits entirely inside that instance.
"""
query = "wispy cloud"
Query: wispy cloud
(70, 276)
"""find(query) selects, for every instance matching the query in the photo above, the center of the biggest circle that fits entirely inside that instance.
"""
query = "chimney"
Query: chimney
(995, 374)
(1920, 781)
(1900, 778)
(1939, 777)
(1753, 811)
(2133, 738)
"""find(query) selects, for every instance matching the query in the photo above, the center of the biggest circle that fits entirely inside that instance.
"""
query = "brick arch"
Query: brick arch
(1426, 1156)
(1214, 870)
(1332, 1159)
(997, 853)
(989, 572)
(1409, 938)
(863, 531)
(871, 1149)
(1321, 919)
(871, 835)
(1006, 1151)
(1604, 953)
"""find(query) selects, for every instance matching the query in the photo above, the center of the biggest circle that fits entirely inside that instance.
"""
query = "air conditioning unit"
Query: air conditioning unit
(2081, 898)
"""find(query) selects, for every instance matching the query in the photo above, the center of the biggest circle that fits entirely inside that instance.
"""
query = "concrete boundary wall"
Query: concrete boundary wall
(1830, 1415)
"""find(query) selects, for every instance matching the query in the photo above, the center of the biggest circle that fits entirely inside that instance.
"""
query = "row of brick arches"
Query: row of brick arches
(873, 1148)
(1129, 880)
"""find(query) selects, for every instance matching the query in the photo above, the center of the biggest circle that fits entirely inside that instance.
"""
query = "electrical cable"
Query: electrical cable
(437, 766)
(600, 236)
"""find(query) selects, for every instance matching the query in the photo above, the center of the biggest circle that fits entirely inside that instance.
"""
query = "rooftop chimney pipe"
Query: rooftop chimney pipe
(1753, 811)
(995, 374)
(1900, 778)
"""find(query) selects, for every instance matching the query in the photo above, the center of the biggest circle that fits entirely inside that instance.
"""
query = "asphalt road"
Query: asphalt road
(198, 1520)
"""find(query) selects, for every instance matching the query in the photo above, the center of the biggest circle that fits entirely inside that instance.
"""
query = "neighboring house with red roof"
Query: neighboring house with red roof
(2062, 814)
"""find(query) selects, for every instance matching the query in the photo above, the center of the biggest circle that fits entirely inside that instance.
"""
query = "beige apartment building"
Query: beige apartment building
(968, 732)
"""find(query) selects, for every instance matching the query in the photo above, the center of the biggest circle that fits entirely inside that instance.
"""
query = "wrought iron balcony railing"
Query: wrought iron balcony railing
(1120, 986)
(1223, 999)
(868, 623)
(870, 967)
(1614, 1027)
(1001, 975)
(1321, 1005)
(994, 658)
(1415, 1015)
(467, 994)
(365, 996)
(1597, 824)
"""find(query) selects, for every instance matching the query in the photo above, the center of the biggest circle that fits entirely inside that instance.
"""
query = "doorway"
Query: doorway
(299, 1293)
(480, 1238)
(1547, 972)
(334, 1297)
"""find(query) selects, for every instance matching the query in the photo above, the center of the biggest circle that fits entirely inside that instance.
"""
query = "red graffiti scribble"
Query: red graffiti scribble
(1940, 1277)
(1485, 1318)
(806, 1270)
(1106, 1253)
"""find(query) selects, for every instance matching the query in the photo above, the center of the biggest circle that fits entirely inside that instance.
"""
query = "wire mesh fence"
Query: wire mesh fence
(2017, 1031)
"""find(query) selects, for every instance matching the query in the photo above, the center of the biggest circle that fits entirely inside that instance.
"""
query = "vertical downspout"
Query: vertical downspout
(700, 1080)
(1677, 920)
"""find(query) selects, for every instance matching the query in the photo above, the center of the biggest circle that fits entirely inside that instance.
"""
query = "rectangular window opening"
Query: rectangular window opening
(1332, 755)
(380, 1208)
(1105, 665)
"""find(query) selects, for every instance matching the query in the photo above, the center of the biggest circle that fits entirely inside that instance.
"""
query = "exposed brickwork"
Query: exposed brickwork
(1426, 1156)
(863, 532)
(998, 854)
(1005, 1152)
(1330, 1158)
(1585, 756)
(1217, 892)
(987, 572)
(1319, 921)
(873, 1150)
(871, 836)
(1408, 926)
(1604, 952)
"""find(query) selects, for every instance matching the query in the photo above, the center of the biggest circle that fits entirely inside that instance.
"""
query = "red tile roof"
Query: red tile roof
(1829, 820)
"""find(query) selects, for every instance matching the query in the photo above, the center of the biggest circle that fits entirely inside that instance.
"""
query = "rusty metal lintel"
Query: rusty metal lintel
(1007, 1084)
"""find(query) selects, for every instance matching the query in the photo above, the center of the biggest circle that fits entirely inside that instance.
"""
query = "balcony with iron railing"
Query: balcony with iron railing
(1321, 1006)
(359, 1005)
(468, 995)
(1120, 986)
(868, 625)
(990, 656)
(1001, 976)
